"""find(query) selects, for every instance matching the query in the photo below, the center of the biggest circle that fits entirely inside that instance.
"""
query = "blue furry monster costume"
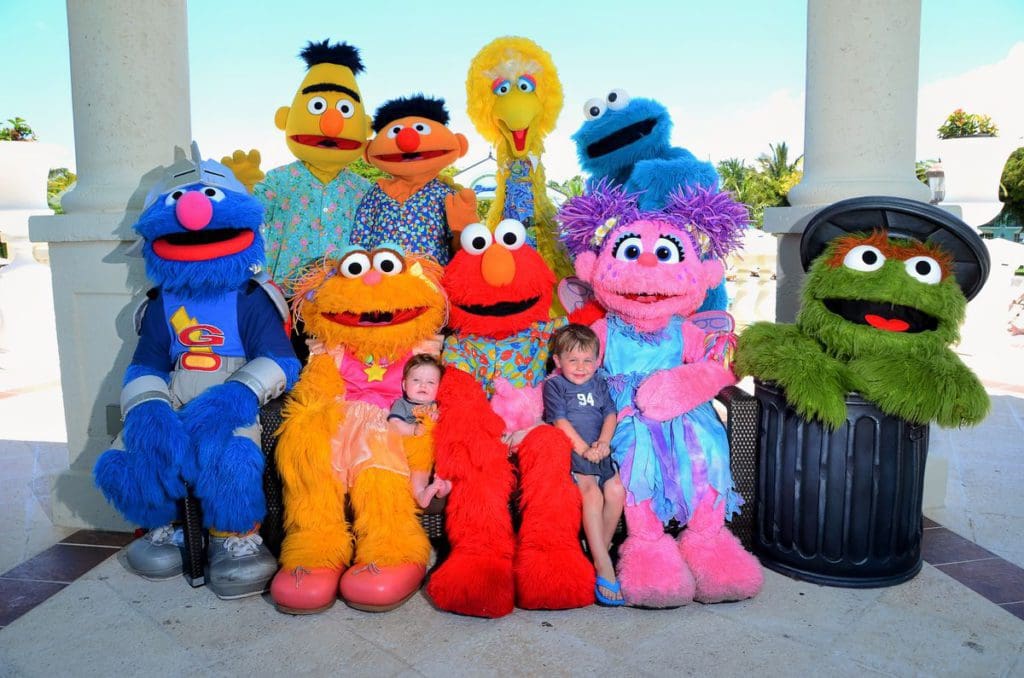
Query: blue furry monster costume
(212, 349)
(627, 141)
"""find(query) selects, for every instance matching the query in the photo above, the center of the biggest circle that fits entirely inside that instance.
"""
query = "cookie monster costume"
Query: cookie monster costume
(212, 349)
(628, 142)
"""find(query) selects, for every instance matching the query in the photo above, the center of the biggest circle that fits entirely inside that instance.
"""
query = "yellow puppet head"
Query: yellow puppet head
(380, 302)
(326, 126)
(514, 94)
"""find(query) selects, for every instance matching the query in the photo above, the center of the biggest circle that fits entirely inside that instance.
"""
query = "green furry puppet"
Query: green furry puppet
(880, 307)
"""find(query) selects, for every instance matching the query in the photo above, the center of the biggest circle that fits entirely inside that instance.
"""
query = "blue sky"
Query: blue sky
(732, 74)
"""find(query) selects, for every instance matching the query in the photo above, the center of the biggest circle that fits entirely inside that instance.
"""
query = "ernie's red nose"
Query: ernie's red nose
(408, 140)
(193, 210)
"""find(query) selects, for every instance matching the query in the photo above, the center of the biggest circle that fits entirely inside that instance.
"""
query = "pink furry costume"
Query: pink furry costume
(499, 291)
(663, 369)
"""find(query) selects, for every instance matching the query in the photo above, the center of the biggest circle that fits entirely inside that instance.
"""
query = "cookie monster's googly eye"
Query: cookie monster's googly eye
(346, 108)
(354, 264)
(924, 269)
(173, 197)
(628, 248)
(526, 84)
(511, 234)
(593, 109)
(214, 194)
(864, 258)
(422, 128)
(501, 87)
(316, 105)
(668, 251)
(617, 99)
(388, 262)
(475, 238)
(393, 132)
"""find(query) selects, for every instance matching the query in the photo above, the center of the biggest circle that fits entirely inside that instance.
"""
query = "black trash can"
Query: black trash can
(843, 507)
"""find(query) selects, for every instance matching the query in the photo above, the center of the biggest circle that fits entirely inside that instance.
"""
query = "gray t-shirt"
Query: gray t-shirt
(584, 405)
(403, 409)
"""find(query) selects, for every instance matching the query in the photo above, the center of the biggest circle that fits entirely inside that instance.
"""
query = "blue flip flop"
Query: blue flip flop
(604, 600)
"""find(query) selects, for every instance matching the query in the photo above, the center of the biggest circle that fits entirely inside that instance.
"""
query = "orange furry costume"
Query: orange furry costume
(371, 311)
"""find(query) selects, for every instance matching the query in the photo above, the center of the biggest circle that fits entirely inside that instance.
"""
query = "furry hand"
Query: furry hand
(154, 429)
(245, 166)
(938, 388)
(815, 384)
(212, 417)
(666, 394)
(460, 209)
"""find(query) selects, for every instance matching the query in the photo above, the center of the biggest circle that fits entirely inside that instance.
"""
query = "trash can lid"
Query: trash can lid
(903, 218)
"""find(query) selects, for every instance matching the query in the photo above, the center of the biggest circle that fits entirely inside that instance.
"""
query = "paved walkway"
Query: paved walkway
(963, 615)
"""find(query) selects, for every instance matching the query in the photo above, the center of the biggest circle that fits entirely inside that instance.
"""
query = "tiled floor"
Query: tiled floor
(30, 583)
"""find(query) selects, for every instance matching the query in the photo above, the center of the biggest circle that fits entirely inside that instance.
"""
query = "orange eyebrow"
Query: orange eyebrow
(892, 249)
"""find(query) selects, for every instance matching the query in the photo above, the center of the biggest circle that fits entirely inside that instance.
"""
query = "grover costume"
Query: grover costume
(212, 349)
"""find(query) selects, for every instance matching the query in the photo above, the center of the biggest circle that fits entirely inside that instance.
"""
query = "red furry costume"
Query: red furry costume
(499, 292)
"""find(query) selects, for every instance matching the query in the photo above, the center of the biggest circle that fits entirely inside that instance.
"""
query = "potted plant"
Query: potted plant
(25, 165)
(972, 156)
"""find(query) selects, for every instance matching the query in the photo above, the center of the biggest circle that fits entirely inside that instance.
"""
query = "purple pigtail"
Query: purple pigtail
(583, 217)
(715, 219)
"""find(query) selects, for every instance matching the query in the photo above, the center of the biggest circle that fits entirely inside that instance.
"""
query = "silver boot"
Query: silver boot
(158, 555)
(239, 566)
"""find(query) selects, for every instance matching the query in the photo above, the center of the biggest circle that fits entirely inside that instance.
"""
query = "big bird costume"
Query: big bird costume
(370, 310)
(514, 97)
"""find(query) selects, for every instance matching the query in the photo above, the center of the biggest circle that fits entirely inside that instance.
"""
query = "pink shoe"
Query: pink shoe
(379, 589)
(651, 571)
(304, 591)
(722, 569)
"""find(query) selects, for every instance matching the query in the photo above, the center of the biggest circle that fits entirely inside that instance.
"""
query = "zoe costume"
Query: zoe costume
(370, 310)
(212, 349)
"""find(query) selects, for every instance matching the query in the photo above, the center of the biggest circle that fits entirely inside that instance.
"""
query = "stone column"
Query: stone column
(860, 119)
(130, 93)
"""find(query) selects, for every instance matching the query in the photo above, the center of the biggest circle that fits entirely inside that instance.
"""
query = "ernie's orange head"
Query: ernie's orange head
(412, 138)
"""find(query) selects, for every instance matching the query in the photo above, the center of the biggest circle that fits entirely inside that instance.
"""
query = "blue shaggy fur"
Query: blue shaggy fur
(164, 449)
(631, 146)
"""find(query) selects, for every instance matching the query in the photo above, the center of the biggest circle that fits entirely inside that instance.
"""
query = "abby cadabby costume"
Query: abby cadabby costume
(664, 364)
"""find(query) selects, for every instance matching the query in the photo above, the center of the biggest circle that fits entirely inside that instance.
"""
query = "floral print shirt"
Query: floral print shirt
(305, 219)
(520, 358)
(419, 225)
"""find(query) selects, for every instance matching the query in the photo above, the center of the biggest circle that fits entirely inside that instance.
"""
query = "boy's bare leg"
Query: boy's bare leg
(593, 528)
(614, 501)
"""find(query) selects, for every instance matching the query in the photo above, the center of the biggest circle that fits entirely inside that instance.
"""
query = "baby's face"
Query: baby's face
(577, 365)
(420, 385)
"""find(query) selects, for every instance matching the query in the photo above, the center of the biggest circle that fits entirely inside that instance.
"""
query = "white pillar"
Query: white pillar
(860, 122)
(129, 84)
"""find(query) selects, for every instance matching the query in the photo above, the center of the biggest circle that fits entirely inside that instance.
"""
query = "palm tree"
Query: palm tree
(776, 164)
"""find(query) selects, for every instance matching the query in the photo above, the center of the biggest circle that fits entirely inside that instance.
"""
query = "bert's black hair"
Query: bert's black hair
(340, 53)
(403, 107)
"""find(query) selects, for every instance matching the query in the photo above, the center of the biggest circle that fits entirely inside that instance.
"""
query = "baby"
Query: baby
(410, 413)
